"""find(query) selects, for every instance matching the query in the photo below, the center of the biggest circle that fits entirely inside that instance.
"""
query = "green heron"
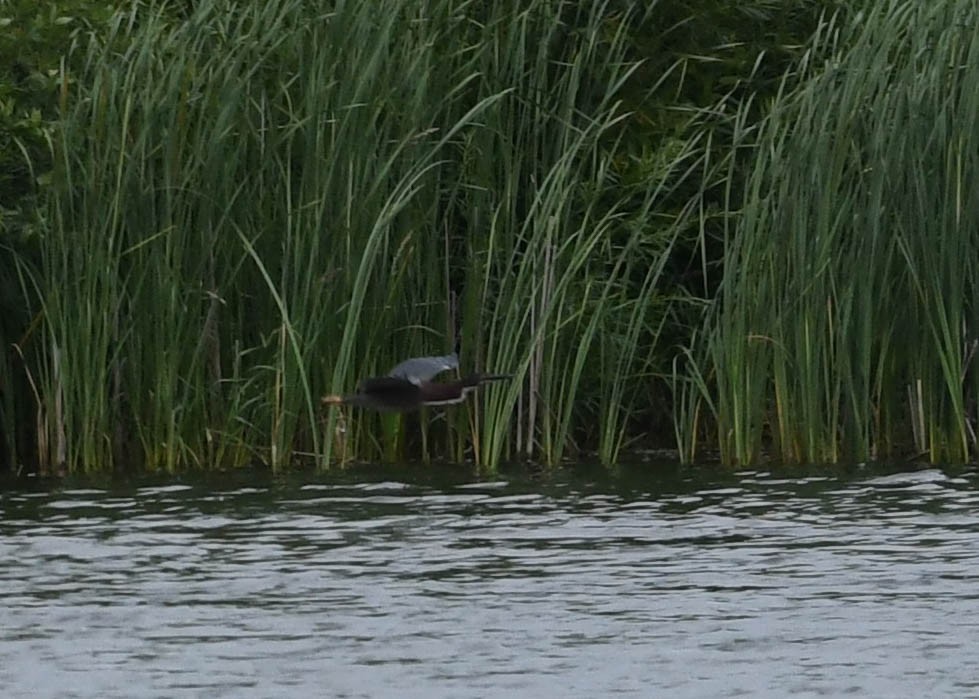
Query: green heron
(409, 386)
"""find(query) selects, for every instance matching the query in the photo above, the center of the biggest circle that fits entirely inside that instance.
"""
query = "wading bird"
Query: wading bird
(409, 386)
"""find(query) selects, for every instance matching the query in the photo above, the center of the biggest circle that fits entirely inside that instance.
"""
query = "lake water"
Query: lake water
(650, 581)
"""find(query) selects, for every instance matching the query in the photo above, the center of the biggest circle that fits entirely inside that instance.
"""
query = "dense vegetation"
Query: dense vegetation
(692, 218)
(846, 324)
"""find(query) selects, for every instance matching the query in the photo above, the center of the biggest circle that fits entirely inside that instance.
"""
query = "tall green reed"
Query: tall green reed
(259, 203)
(846, 321)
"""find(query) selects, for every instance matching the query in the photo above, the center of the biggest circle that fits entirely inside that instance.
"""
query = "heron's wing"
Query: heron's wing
(424, 368)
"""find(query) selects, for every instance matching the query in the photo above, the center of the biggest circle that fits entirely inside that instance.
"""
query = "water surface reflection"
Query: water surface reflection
(650, 582)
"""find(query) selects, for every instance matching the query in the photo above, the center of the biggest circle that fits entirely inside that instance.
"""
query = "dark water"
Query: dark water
(645, 583)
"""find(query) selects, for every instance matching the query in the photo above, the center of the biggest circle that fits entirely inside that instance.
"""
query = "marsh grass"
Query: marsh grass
(262, 202)
(846, 324)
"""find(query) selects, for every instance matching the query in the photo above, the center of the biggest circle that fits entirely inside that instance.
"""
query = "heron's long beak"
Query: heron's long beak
(332, 400)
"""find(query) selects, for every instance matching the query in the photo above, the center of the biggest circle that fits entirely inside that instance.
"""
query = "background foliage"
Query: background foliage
(210, 214)
(845, 327)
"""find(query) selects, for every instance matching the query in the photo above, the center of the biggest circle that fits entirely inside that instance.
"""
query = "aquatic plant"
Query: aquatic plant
(256, 204)
(845, 326)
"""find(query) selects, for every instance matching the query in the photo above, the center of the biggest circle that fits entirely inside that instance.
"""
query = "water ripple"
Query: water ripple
(755, 584)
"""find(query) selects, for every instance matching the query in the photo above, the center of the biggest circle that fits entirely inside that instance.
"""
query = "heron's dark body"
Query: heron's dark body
(409, 386)
(386, 394)
(391, 394)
